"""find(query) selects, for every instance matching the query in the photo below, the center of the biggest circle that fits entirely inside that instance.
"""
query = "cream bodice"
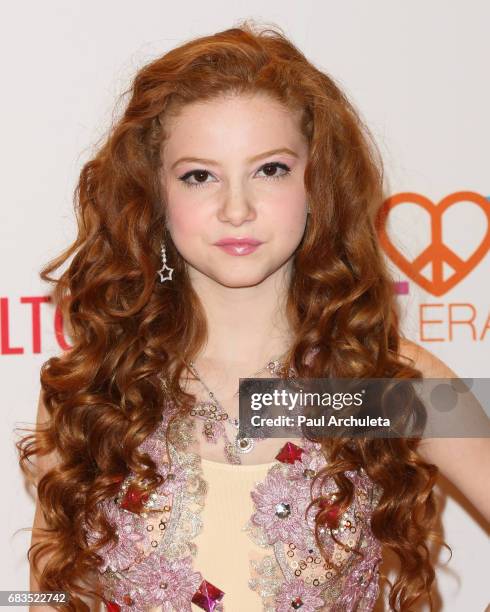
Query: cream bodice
(224, 548)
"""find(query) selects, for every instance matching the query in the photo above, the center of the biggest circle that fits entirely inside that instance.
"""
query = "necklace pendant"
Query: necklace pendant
(244, 445)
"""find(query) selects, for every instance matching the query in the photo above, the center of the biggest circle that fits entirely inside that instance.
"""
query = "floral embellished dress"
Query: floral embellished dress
(168, 559)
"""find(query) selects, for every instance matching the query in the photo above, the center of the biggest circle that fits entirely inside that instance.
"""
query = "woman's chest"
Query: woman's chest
(215, 536)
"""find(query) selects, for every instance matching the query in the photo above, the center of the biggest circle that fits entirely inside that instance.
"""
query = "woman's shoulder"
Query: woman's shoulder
(424, 360)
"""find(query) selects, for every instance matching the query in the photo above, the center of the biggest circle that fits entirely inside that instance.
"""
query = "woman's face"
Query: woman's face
(234, 167)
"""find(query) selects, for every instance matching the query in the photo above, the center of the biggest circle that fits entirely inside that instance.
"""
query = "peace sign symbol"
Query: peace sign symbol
(437, 253)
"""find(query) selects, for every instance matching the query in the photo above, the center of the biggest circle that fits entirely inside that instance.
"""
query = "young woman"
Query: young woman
(226, 230)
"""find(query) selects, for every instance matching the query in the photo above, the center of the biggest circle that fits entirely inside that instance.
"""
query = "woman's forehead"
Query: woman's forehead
(249, 124)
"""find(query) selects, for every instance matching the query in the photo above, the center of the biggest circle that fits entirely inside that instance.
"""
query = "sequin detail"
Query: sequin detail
(152, 561)
(293, 574)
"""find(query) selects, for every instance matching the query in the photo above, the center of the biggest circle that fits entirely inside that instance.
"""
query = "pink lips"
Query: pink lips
(238, 246)
(232, 240)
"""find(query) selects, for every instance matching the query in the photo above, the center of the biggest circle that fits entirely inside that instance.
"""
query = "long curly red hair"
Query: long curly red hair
(104, 395)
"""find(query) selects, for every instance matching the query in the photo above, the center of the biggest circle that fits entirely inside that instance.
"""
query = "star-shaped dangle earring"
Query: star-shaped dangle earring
(165, 271)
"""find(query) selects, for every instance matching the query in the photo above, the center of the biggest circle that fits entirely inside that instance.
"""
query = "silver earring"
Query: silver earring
(161, 272)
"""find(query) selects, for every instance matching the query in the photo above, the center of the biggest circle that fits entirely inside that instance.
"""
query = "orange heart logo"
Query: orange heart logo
(437, 253)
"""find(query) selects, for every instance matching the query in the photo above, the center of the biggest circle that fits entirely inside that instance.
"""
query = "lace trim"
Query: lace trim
(158, 539)
(185, 521)
(267, 581)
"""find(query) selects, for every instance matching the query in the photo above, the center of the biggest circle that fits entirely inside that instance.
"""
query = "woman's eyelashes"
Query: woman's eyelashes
(203, 174)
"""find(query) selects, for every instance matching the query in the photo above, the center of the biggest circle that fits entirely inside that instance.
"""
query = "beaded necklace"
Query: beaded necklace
(212, 412)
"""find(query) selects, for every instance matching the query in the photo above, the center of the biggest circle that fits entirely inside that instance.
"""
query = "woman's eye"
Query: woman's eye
(271, 170)
(199, 175)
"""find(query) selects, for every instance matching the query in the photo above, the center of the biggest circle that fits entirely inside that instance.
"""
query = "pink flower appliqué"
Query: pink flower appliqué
(297, 595)
(128, 527)
(304, 469)
(155, 446)
(280, 509)
(158, 580)
(310, 446)
(363, 580)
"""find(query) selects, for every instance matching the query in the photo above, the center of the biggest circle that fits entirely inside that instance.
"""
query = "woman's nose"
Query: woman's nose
(237, 208)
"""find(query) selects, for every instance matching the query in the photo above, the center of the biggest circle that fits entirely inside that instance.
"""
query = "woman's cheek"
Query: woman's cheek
(289, 213)
(180, 216)
(187, 229)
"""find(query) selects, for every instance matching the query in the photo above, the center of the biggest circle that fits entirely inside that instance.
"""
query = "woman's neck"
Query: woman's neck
(247, 326)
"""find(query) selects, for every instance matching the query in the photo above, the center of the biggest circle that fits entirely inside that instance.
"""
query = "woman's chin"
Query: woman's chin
(238, 279)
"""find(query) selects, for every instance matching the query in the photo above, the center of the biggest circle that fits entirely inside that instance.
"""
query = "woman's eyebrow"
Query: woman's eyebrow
(212, 162)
